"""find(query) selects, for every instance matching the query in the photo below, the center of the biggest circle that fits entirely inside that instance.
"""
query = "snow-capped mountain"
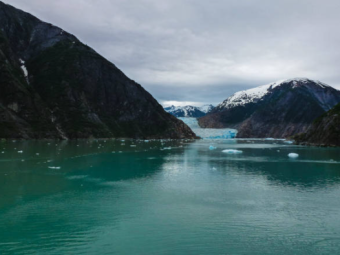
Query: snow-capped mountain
(255, 94)
(206, 108)
(280, 109)
(189, 111)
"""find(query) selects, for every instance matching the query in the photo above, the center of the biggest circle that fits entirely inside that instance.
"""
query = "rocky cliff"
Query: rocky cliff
(281, 109)
(54, 86)
(325, 130)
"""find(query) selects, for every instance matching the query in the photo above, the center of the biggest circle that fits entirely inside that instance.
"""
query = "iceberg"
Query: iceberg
(232, 151)
(212, 147)
(293, 155)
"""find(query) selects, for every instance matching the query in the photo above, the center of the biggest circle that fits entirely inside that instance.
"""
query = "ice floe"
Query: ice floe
(293, 155)
(232, 151)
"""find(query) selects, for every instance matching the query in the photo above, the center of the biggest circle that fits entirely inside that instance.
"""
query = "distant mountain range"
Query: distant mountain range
(54, 86)
(280, 109)
(189, 111)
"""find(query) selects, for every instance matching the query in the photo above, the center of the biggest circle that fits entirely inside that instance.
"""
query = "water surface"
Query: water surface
(168, 197)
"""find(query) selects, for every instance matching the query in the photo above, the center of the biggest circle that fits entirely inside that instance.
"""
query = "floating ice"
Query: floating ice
(212, 147)
(231, 151)
(20, 151)
(293, 155)
(288, 142)
(54, 167)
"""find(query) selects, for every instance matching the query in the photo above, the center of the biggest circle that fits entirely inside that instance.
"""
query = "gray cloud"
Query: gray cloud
(203, 51)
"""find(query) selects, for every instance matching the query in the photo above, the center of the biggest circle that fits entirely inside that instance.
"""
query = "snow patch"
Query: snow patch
(206, 108)
(24, 69)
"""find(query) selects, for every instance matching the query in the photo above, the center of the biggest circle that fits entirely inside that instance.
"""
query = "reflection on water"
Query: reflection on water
(168, 197)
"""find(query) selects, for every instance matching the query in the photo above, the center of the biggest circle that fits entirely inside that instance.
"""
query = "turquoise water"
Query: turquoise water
(148, 198)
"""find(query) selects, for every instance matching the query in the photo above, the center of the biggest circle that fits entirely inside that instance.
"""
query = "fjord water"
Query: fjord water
(137, 197)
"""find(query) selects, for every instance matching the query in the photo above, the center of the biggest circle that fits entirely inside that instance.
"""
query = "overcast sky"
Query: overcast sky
(199, 51)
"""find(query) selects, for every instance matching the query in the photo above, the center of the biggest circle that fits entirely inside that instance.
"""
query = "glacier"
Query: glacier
(209, 133)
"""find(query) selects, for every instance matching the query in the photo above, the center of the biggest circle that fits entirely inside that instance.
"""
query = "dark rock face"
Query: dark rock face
(324, 131)
(70, 90)
(281, 110)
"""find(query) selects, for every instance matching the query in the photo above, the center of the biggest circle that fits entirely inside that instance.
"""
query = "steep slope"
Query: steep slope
(189, 111)
(54, 86)
(324, 131)
(280, 109)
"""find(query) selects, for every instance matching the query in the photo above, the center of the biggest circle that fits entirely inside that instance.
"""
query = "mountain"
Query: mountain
(54, 86)
(280, 109)
(207, 108)
(324, 131)
(189, 111)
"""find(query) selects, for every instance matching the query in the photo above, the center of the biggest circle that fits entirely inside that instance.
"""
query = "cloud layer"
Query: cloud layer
(203, 51)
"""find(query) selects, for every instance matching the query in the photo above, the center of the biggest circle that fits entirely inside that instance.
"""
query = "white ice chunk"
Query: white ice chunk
(293, 155)
(54, 167)
(232, 151)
